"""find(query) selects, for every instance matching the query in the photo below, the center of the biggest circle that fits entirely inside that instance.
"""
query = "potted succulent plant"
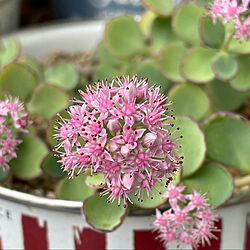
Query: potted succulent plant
(203, 69)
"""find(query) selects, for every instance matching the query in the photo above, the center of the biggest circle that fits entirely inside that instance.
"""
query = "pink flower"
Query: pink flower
(190, 219)
(117, 129)
(13, 119)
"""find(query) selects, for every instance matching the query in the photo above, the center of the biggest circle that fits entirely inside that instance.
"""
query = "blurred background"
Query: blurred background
(15, 14)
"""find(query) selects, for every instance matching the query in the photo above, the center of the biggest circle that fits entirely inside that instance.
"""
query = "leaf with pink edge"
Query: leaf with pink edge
(160, 7)
(228, 140)
(101, 215)
(196, 65)
(170, 61)
(185, 22)
(211, 179)
(124, 38)
(193, 145)
(74, 190)
(146, 21)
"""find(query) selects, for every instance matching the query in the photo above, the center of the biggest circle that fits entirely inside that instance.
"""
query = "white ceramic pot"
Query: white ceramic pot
(9, 15)
(30, 222)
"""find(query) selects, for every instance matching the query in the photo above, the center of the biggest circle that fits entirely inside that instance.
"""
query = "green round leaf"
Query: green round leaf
(101, 215)
(189, 99)
(30, 154)
(225, 96)
(9, 52)
(34, 65)
(17, 79)
(4, 174)
(74, 189)
(96, 180)
(150, 71)
(196, 65)
(62, 74)
(211, 179)
(185, 22)
(123, 37)
(241, 82)
(162, 33)
(52, 168)
(146, 21)
(170, 61)
(104, 71)
(160, 7)
(225, 66)
(239, 46)
(211, 34)
(104, 56)
(228, 140)
(47, 100)
(193, 145)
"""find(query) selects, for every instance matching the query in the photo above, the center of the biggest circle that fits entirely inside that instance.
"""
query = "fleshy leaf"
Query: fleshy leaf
(225, 66)
(228, 140)
(96, 180)
(101, 215)
(17, 79)
(225, 96)
(104, 56)
(30, 154)
(4, 174)
(149, 70)
(75, 190)
(160, 7)
(193, 145)
(162, 33)
(211, 34)
(52, 168)
(241, 81)
(9, 52)
(170, 61)
(62, 74)
(148, 202)
(104, 71)
(146, 21)
(189, 99)
(196, 65)
(185, 22)
(47, 100)
(212, 179)
(239, 46)
(123, 37)
(34, 65)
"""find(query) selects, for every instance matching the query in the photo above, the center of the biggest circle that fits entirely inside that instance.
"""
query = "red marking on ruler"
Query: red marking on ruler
(214, 243)
(34, 236)
(247, 234)
(88, 239)
(145, 239)
(1, 248)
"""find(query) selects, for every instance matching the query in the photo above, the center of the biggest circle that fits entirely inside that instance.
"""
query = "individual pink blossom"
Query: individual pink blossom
(189, 220)
(13, 119)
(231, 10)
(120, 129)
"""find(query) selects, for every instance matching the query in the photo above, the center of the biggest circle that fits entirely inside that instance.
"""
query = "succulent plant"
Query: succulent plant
(199, 64)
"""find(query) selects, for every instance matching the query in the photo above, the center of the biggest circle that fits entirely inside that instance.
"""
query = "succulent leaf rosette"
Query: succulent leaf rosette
(120, 129)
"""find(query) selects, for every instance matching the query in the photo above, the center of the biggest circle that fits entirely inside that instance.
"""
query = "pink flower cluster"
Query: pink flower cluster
(13, 119)
(120, 129)
(231, 10)
(190, 220)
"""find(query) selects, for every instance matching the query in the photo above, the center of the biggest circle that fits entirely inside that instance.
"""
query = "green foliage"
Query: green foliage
(160, 7)
(96, 180)
(4, 174)
(101, 215)
(211, 179)
(228, 140)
